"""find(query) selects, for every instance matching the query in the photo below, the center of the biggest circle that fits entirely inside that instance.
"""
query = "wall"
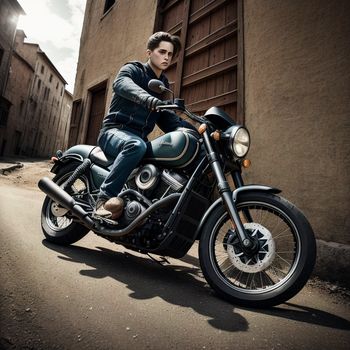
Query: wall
(39, 115)
(9, 13)
(17, 91)
(62, 130)
(297, 88)
(107, 42)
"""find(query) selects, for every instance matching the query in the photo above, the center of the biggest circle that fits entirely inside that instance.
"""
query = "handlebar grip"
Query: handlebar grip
(167, 107)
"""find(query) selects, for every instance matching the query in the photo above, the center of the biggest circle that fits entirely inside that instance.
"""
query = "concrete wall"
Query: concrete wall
(107, 42)
(297, 90)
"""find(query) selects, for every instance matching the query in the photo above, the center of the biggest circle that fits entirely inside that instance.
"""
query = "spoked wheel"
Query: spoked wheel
(281, 266)
(58, 227)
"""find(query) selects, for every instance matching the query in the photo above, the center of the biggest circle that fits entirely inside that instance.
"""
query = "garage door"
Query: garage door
(209, 71)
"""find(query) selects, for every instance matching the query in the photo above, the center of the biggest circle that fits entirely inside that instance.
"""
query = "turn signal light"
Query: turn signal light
(216, 135)
(246, 163)
(202, 128)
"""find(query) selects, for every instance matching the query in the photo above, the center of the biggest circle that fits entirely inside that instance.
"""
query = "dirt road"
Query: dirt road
(96, 295)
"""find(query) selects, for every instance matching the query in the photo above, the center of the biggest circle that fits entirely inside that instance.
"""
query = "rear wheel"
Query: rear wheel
(58, 227)
(280, 269)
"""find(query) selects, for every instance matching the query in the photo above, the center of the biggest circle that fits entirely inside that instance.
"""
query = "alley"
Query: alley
(97, 295)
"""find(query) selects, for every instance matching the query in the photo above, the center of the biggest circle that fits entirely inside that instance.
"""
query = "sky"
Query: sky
(56, 26)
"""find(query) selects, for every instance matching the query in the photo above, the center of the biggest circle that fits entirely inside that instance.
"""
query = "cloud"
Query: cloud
(56, 34)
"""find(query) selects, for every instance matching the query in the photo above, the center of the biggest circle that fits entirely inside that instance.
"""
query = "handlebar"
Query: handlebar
(183, 110)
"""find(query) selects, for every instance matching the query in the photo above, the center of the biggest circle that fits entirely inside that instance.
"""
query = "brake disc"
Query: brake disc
(260, 261)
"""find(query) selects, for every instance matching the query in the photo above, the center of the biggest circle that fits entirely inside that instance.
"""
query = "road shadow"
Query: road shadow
(182, 286)
(176, 284)
(307, 314)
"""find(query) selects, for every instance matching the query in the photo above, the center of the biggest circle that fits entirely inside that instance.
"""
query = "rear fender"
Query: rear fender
(75, 153)
(235, 196)
(60, 162)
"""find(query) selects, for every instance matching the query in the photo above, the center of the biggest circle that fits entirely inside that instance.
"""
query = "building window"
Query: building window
(17, 142)
(4, 114)
(4, 111)
(61, 91)
(39, 84)
(51, 76)
(21, 108)
(1, 54)
(108, 5)
(3, 146)
(42, 69)
(57, 86)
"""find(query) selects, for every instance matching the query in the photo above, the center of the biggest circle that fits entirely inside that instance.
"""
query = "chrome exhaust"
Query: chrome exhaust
(60, 196)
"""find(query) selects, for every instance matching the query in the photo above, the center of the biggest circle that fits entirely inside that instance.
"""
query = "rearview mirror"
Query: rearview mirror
(156, 86)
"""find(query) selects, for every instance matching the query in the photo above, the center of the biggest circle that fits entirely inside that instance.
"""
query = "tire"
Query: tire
(286, 255)
(62, 229)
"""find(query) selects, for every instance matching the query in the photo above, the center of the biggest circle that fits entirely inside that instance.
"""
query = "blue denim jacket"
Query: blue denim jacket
(129, 111)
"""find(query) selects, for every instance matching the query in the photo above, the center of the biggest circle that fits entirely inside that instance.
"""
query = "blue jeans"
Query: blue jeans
(128, 150)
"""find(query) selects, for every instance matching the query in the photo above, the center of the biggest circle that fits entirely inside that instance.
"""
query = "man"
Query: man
(132, 116)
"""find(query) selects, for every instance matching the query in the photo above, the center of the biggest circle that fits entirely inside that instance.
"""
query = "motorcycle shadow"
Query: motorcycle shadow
(183, 286)
(176, 284)
(302, 313)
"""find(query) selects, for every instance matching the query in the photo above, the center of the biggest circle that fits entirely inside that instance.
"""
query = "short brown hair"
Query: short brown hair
(155, 39)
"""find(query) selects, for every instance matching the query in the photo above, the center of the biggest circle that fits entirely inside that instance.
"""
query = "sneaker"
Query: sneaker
(109, 209)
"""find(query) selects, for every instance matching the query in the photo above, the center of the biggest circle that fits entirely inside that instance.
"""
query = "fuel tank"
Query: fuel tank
(176, 149)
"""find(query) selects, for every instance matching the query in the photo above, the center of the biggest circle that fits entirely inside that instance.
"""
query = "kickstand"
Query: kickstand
(162, 261)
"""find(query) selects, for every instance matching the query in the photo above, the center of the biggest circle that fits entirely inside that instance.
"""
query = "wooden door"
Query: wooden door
(97, 110)
(209, 69)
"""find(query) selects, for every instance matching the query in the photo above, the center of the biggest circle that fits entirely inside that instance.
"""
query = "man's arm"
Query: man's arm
(170, 121)
(125, 86)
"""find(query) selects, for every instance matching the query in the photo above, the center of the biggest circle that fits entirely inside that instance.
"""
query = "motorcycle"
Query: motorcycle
(256, 249)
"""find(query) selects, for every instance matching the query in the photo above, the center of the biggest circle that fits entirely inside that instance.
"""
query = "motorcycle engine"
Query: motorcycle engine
(155, 184)
(132, 210)
(147, 178)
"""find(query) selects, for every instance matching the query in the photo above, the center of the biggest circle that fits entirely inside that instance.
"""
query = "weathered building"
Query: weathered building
(17, 91)
(39, 117)
(282, 68)
(10, 10)
(60, 141)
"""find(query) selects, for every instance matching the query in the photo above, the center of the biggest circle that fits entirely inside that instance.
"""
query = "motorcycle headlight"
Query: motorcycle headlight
(239, 141)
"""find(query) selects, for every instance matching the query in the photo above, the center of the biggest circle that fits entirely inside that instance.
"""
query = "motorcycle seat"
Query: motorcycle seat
(98, 157)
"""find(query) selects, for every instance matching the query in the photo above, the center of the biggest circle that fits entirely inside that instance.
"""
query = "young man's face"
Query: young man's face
(161, 57)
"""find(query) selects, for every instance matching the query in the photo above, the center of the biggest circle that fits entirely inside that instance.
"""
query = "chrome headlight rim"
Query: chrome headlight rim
(233, 141)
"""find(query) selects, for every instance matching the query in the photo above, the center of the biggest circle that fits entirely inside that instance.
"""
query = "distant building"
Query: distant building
(10, 10)
(38, 117)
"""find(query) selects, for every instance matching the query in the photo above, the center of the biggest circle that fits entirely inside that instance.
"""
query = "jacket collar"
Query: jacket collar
(152, 74)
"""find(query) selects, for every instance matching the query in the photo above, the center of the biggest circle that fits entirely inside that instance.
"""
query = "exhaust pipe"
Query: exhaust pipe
(60, 196)
(122, 232)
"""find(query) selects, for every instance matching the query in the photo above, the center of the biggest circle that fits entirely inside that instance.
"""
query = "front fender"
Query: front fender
(235, 195)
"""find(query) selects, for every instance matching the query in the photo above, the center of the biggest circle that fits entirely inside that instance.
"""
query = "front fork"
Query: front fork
(248, 244)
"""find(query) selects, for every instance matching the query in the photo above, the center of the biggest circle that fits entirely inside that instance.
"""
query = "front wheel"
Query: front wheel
(283, 264)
